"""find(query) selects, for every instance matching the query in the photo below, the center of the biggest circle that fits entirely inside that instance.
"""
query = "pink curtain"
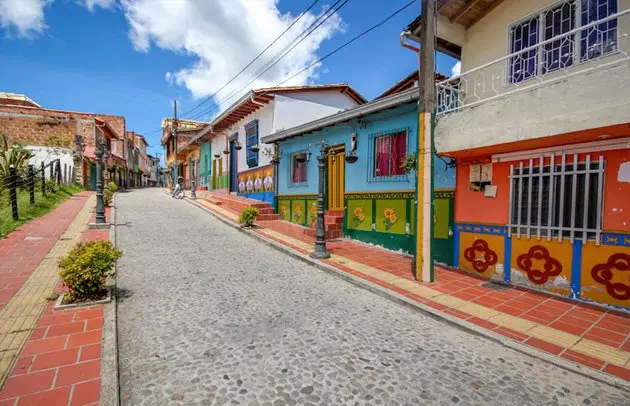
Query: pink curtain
(299, 173)
(399, 150)
(383, 147)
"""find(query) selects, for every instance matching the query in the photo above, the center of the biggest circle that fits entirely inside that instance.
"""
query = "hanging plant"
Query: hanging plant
(226, 151)
(410, 164)
(238, 146)
(217, 155)
(255, 148)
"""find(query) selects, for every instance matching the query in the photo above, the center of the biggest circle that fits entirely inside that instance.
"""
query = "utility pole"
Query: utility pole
(174, 128)
(426, 115)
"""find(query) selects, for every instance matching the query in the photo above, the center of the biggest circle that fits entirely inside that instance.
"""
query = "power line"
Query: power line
(284, 52)
(377, 25)
(253, 60)
(358, 36)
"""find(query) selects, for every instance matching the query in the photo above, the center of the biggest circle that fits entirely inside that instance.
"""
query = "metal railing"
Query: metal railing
(599, 44)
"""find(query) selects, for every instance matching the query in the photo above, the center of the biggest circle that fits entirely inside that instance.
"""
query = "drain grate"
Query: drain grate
(495, 286)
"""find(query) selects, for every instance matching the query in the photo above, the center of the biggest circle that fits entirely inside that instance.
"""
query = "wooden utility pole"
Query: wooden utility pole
(174, 128)
(426, 116)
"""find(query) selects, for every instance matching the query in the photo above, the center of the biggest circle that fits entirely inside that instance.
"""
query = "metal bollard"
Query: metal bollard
(12, 192)
(31, 184)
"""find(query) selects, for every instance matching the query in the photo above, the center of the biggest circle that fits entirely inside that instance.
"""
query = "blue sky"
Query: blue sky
(85, 60)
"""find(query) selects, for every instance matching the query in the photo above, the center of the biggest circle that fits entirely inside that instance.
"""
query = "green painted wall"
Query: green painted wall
(298, 209)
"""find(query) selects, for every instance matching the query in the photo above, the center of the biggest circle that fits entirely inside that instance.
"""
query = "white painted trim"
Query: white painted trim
(594, 146)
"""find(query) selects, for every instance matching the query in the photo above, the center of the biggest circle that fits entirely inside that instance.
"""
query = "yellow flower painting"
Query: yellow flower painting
(359, 216)
(390, 217)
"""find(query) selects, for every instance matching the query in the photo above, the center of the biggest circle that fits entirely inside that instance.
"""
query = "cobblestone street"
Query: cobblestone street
(208, 315)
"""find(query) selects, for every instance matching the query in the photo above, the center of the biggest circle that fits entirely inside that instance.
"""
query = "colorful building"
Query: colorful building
(186, 130)
(370, 194)
(538, 123)
(233, 158)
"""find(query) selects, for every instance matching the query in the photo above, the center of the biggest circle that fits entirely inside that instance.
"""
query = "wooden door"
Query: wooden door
(214, 174)
(336, 178)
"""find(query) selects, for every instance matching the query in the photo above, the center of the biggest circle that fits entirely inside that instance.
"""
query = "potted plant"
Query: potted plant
(248, 216)
(226, 151)
(255, 148)
(410, 163)
(238, 146)
(217, 155)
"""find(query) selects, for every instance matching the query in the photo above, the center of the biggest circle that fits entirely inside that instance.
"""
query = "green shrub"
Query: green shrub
(51, 185)
(85, 268)
(108, 193)
(248, 216)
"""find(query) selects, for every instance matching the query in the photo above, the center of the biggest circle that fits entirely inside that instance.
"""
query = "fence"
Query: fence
(19, 182)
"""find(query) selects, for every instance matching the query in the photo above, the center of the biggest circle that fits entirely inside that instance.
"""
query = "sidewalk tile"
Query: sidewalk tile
(544, 345)
(26, 384)
(55, 397)
(55, 359)
(76, 373)
(86, 393)
(44, 345)
(583, 359)
(65, 329)
(621, 372)
(89, 352)
(90, 337)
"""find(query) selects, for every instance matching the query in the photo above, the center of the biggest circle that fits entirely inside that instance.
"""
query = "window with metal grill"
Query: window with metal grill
(563, 201)
(560, 21)
(251, 139)
(298, 168)
(386, 156)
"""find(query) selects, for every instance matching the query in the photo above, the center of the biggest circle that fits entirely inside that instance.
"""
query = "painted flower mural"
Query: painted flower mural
(298, 213)
(359, 216)
(539, 264)
(604, 274)
(313, 213)
(284, 212)
(390, 217)
(480, 256)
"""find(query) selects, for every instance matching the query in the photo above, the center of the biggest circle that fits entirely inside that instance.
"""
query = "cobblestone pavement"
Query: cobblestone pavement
(208, 315)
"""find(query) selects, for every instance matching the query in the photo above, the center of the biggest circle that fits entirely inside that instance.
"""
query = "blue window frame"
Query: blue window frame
(251, 139)
(523, 35)
(602, 38)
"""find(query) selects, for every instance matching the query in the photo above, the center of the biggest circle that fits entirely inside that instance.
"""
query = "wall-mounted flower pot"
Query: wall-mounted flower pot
(217, 155)
(226, 152)
(238, 147)
(255, 148)
(301, 158)
(275, 161)
(351, 159)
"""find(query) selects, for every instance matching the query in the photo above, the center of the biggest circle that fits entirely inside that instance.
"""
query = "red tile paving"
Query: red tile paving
(21, 257)
(60, 363)
(581, 319)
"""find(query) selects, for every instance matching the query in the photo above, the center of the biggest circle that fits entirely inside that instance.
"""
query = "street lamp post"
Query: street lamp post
(320, 232)
(193, 193)
(100, 206)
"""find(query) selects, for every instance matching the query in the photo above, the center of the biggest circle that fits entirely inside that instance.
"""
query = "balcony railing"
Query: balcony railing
(599, 44)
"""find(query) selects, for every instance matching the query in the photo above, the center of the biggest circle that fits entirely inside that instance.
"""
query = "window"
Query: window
(298, 168)
(251, 139)
(554, 21)
(387, 156)
(563, 201)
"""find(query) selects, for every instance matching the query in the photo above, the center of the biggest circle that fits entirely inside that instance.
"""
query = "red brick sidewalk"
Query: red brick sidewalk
(24, 248)
(61, 362)
(549, 323)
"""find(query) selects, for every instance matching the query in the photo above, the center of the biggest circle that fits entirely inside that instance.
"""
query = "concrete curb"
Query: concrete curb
(110, 390)
(436, 314)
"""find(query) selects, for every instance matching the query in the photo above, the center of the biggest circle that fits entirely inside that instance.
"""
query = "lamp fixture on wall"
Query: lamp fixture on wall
(352, 157)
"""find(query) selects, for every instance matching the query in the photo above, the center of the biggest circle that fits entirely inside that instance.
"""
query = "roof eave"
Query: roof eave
(369, 108)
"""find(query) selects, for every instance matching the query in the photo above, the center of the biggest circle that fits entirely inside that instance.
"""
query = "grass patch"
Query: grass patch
(28, 212)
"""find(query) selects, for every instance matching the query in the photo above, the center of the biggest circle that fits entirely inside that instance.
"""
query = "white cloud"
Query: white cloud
(224, 36)
(92, 4)
(26, 17)
(456, 70)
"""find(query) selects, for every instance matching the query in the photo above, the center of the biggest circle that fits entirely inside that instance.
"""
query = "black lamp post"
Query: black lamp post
(320, 232)
(193, 193)
(100, 206)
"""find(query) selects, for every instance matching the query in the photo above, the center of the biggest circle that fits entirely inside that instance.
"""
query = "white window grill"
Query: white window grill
(557, 201)
(569, 46)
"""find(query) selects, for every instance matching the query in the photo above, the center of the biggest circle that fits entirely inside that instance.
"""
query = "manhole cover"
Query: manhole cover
(495, 286)
(32, 238)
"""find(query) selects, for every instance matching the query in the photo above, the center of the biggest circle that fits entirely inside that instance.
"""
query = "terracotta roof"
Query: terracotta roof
(17, 99)
(464, 12)
(407, 83)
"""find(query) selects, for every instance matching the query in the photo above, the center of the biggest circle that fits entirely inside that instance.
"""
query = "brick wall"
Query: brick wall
(32, 126)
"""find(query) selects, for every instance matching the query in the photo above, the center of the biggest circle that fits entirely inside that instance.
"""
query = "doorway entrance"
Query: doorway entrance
(233, 166)
(336, 177)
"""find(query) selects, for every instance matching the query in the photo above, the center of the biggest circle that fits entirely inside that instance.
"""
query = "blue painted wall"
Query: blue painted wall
(357, 174)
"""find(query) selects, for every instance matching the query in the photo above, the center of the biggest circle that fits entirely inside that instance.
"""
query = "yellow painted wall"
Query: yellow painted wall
(606, 274)
(482, 254)
(542, 264)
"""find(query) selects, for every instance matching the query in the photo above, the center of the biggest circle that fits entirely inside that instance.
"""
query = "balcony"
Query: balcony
(570, 82)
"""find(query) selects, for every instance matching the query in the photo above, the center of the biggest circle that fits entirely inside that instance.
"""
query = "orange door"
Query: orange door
(336, 178)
